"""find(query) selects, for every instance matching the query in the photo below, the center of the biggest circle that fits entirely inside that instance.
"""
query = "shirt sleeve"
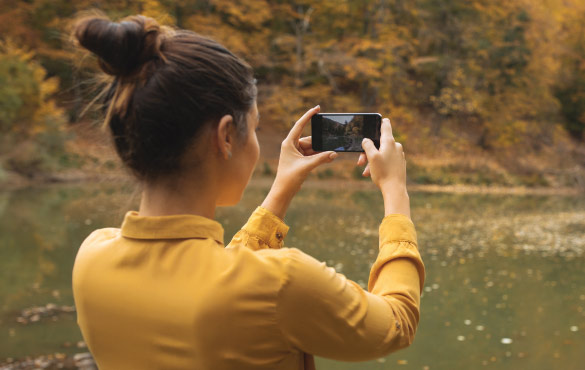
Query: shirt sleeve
(263, 230)
(323, 313)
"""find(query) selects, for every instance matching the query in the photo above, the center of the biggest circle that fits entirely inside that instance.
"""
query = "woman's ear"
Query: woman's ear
(225, 136)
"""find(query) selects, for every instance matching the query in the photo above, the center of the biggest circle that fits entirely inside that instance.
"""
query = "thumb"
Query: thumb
(369, 147)
(321, 158)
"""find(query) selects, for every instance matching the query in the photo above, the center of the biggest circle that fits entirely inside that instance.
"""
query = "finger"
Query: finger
(308, 152)
(386, 128)
(362, 159)
(307, 140)
(366, 172)
(306, 145)
(369, 147)
(297, 129)
(386, 136)
(321, 158)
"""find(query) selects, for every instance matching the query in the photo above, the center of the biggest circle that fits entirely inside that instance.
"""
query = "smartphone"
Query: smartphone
(344, 132)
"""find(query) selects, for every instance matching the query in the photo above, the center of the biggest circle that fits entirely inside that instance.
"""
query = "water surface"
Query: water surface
(505, 282)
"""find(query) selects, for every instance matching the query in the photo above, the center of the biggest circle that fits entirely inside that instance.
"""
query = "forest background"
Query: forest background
(482, 92)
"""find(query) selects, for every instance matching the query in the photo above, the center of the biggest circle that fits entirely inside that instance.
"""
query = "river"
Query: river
(505, 282)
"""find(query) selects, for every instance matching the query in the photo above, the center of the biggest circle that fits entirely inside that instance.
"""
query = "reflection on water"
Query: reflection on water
(505, 286)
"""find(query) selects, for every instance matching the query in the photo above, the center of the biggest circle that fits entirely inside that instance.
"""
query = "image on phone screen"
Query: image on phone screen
(344, 132)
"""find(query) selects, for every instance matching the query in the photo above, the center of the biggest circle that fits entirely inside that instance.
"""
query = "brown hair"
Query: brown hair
(167, 84)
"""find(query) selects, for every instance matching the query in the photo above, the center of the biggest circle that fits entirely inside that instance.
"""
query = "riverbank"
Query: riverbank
(78, 361)
(474, 172)
(15, 182)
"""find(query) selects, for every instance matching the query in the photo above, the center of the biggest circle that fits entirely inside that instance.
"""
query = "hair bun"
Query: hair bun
(121, 47)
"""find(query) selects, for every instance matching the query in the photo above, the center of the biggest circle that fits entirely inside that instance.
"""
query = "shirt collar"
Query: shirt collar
(170, 227)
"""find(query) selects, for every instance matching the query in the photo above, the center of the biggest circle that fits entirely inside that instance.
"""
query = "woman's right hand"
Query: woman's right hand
(387, 168)
(297, 159)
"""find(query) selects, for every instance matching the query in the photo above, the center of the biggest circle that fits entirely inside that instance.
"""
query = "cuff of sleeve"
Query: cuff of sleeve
(397, 240)
(267, 227)
(397, 228)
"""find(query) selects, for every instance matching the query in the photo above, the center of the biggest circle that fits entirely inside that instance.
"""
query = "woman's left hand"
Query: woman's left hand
(297, 159)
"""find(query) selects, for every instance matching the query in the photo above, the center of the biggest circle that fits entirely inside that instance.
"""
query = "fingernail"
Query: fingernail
(317, 106)
(333, 155)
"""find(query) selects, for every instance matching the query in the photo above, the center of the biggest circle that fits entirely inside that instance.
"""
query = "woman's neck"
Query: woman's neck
(178, 197)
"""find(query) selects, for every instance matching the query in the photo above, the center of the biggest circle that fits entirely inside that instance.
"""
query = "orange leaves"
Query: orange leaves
(212, 25)
(366, 46)
(154, 9)
(363, 68)
(251, 13)
(496, 65)
(457, 96)
(240, 26)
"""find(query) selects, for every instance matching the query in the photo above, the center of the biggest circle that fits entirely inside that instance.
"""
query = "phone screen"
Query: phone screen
(344, 132)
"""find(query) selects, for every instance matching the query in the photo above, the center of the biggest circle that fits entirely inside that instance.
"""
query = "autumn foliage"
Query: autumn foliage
(502, 77)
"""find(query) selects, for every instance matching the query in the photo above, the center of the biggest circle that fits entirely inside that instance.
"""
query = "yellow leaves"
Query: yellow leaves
(331, 16)
(49, 86)
(24, 83)
(479, 7)
(47, 109)
(154, 9)
(252, 13)
(364, 68)
(344, 103)
(365, 45)
(458, 96)
(495, 60)
(280, 105)
(211, 25)
(251, 45)
(328, 44)
(509, 134)
(10, 49)
(354, 59)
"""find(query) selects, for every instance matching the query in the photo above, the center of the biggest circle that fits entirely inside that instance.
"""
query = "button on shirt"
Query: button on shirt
(164, 293)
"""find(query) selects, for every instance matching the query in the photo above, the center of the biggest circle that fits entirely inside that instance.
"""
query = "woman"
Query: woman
(162, 292)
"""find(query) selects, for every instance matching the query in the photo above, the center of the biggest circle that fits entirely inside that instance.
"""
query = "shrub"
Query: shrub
(31, 124)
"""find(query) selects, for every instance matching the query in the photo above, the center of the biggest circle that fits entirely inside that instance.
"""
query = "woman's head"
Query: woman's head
(169, 88)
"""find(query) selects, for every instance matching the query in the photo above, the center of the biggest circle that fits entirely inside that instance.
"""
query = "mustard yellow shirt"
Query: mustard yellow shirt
(164, 293)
